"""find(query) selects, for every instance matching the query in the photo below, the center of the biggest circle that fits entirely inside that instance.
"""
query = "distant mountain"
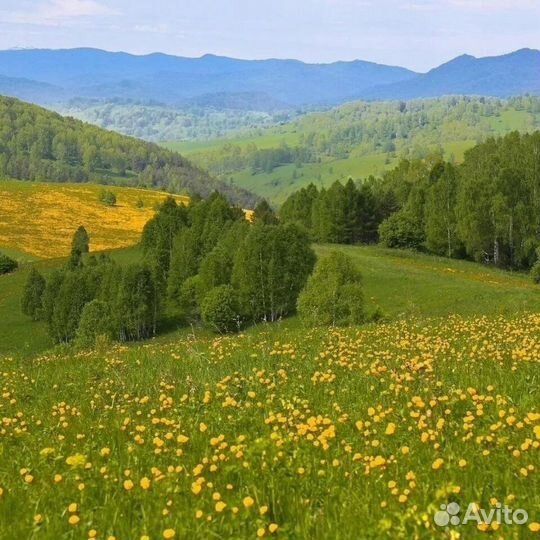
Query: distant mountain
(95, 73)
(512, 74)
(29, 90)
(36, 144)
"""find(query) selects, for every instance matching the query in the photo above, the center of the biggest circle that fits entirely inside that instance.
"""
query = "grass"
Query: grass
(277, 433)
(39, 219)
(402, 284)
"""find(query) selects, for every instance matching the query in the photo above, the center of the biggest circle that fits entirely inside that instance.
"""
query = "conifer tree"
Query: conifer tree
(32, 297)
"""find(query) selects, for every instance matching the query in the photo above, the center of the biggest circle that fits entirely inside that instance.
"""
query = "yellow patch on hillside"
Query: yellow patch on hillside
(40, 219)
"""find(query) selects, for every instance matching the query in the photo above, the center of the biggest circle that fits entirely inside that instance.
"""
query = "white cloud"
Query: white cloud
(57, 12)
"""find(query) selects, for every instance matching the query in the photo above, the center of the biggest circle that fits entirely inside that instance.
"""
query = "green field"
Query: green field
(402, 284)
(284, 432)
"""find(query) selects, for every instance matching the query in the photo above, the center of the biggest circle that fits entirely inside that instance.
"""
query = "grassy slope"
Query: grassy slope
(39, 219)
(278, 184)
(402, 284)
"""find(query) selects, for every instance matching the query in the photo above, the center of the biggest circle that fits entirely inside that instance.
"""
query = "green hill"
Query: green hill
(403, 284)
(357, 140)
(260, 435)
(36, 144)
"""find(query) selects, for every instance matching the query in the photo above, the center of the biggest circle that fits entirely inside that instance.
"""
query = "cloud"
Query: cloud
(57, 12)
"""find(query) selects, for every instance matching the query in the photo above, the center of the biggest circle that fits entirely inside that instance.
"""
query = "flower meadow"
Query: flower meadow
(279, 432)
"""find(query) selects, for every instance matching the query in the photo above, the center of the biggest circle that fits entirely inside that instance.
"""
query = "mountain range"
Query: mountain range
(50, 76)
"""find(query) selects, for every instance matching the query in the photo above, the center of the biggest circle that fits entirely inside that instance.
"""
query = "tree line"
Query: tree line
(486, 209)
(36, 144)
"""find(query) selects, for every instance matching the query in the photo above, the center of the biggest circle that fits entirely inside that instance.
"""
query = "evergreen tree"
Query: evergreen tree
(264, 214)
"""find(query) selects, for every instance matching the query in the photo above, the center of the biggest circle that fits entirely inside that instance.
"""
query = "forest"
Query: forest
(159, 122)
(36, 144)
(486, 209)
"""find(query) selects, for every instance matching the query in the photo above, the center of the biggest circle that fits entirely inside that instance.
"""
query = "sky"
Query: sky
(417, 34)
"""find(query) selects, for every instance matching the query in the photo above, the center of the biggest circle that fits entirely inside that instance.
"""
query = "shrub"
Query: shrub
(535, 272)
(401, 231)
(107, 197)
(333, 294)
(95, 325)
(7, 264)
(220, 309)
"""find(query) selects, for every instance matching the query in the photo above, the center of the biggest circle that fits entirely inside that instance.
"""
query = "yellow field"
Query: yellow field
(40, 219)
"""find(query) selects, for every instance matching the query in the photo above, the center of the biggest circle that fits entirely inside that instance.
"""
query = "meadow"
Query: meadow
(39, 219)
(280, 432)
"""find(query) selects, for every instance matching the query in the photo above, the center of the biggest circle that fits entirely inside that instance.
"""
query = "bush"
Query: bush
(7, 265)
(107, 197)
(333, 294)
(95, 325)
(190, 298)
(401, 231)
(219, 309)
(535, 272)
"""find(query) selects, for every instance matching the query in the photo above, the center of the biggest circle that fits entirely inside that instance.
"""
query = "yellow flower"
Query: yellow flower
(390, 429)
(169, 533)
(92, 533)
(73, 507)
(437, 464)
(38, 518)
(462, 463)
(220, 506)
(534, 526)
(273, 527)
(128, 485)
(261, 532)
(248, 501)
(196, 488)
(182, 439)
(145, 483)
(263, 510)
(28, 478)
(74, 520)
(105, 452)
(77, 460)
(58, 478)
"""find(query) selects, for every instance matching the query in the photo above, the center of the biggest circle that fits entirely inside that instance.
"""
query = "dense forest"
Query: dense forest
(158, 122)
(202, 263)
(486, 209)
(36, 144)
(411, 130)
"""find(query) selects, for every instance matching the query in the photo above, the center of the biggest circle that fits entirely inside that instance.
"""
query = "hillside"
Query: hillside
(36, 144)
(356, 140)
(254, 435)
(157, 122)
(39, 219)
(403, 284)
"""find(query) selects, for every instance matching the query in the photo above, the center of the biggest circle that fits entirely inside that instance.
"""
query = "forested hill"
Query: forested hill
(36, 144)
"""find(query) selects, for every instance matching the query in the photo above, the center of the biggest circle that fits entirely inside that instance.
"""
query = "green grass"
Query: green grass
(325, 434)
(402, 284)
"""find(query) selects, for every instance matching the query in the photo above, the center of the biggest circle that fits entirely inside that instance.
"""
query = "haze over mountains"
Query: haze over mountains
(51, 76)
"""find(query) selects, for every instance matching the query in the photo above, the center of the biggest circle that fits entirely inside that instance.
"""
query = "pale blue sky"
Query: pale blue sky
(418, 34)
